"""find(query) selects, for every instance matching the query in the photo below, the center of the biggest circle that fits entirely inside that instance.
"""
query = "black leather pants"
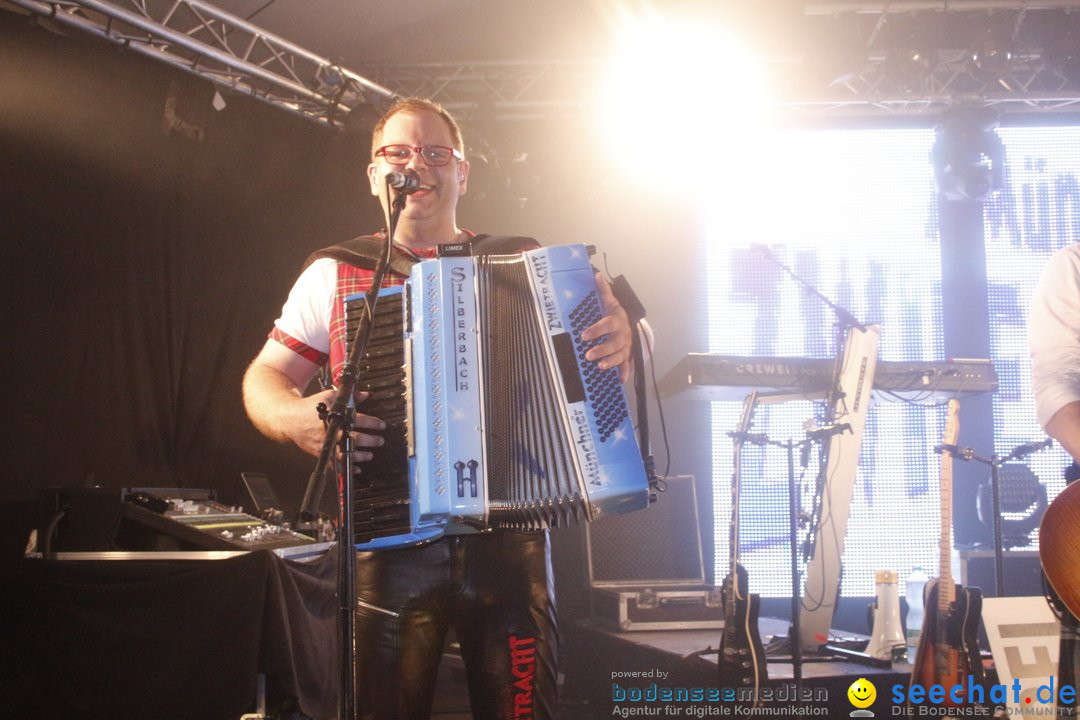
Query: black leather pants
(495, 590)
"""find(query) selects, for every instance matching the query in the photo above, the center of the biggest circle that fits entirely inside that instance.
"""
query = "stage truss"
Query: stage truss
(230, 52)
(1032, 74)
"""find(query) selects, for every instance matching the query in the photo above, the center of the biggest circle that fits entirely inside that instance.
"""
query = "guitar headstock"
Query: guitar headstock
(952, 426)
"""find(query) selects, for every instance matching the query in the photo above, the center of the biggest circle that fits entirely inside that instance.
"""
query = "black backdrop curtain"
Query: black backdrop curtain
(145, 260)
(148, 244)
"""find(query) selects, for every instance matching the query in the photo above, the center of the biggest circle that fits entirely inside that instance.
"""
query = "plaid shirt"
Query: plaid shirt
(350, 281)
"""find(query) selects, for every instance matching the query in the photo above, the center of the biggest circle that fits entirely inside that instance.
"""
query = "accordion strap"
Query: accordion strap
(501, 244)
(364, 251)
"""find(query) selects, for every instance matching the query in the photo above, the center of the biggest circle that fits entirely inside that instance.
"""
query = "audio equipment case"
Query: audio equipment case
(646, 570)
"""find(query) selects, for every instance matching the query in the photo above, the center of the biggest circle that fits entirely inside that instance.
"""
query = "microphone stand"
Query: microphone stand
(995, 462)
(794, 638)
(846, 323)
(842, 313)
(794, 631)
(794, 504)
(339, 425)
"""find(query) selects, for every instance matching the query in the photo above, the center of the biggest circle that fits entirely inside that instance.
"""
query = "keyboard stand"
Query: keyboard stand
(823, 570)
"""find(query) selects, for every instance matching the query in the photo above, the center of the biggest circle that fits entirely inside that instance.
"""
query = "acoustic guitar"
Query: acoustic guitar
(948, 652)
(1059, 546)
(742, 655)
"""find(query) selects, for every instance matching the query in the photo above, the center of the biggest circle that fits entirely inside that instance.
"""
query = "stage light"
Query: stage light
(684, 96)
(909, 65)
(990, 58)
(968, 156)
(333, 83)
(910, 54)
(1022, 499)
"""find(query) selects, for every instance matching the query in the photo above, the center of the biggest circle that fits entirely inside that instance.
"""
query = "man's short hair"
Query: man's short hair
(416, 105)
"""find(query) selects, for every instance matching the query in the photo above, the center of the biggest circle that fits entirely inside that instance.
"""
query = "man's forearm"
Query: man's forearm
(1064, 427)
(269, 396)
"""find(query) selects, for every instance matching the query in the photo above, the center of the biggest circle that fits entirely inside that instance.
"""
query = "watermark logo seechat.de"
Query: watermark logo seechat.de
(974, 699)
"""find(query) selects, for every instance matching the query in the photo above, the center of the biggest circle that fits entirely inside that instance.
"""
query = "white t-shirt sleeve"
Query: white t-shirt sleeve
(1054, 334)
(306, 314)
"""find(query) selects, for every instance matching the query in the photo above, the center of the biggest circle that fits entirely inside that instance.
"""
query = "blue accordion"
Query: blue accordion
(494, 417)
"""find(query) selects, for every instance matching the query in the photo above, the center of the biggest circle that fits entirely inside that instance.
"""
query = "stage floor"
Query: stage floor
(598, 664)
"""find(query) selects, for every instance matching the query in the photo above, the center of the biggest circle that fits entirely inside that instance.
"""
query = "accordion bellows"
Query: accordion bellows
(494, 417)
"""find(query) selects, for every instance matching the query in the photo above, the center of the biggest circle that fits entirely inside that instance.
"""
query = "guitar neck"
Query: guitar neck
(736, 477)
(946, 589)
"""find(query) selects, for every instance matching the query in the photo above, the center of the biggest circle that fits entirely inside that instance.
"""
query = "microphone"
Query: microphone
(820, 432)
(1031, 447)
(405, 183)
(752, 438)
(960, 453)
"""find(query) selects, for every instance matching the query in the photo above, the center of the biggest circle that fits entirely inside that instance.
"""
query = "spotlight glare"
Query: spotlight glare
(684, 94)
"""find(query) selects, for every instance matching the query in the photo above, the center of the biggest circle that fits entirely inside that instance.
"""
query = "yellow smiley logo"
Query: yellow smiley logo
(862, 693)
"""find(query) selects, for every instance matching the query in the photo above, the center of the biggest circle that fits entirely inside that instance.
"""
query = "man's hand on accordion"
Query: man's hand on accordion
(362, 440)
(312, 441)
(274, 400)
(614, 350)
(300, 423)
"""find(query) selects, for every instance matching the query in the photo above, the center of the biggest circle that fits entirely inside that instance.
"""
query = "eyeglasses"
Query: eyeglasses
(433, 155)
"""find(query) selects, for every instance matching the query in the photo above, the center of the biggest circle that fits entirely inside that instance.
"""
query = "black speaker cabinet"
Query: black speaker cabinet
(77, 519)
(658, 545)
(1023, 574)
(646, 567)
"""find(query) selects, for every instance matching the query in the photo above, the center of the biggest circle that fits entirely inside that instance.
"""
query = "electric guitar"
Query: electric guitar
(948, 652)
(742, 655)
